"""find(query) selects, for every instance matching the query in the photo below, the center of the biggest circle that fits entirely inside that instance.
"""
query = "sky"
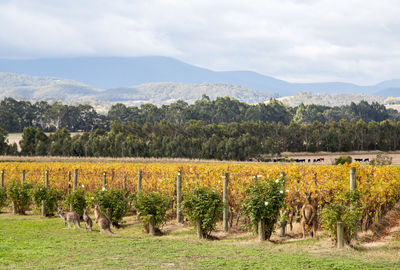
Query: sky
(296, 40)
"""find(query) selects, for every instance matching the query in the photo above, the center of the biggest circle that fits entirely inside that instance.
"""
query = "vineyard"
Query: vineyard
(378, 185)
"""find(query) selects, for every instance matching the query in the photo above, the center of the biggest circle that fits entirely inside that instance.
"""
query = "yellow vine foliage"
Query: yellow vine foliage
(379, 185)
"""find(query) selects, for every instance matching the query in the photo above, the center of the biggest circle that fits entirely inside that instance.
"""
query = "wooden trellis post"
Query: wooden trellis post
(75, 185)
(69, 181)
(124, 182)
(179, 216)
(104, 186)
(14, 203)
(75, 178)
(353, 182)
(2, 178)
(226, 203)
(353, 187)
(283, 222)
(139, 181)
(109, 211)
(46, 179)
(46, 184)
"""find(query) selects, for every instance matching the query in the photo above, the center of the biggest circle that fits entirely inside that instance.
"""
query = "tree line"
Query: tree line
(16, 115)
(199, 140)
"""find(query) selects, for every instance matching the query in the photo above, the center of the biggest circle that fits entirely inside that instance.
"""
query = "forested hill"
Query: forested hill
(332, 100)
(16, 115)
(34, 88)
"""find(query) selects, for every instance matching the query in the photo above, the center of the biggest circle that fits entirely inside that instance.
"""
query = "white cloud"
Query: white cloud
(346, 40)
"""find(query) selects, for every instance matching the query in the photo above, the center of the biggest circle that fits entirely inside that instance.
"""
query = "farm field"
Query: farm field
(328, 158)
(16, 137)
(32, 242)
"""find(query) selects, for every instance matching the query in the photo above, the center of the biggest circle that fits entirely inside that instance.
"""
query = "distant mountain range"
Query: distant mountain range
(36, 88)
(43, 88)
(96, 73)
(168, 92)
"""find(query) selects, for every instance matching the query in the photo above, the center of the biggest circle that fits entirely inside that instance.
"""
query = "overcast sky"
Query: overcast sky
(297, 40)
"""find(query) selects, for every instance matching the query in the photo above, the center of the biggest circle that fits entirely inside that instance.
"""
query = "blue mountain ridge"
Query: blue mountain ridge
(115, 72)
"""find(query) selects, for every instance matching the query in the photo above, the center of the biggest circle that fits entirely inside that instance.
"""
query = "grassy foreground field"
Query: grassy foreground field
(32, 242)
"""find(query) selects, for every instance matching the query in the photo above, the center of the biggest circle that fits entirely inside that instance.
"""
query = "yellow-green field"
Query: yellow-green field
(32, 242)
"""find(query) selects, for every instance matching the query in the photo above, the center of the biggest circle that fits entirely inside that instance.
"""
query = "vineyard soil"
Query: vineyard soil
(328, 158)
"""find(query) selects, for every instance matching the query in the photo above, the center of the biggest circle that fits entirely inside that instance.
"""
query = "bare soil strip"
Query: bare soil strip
(309, 158)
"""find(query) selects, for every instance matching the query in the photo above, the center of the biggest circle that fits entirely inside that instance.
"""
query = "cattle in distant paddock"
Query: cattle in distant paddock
(311, 160)
(361, 160)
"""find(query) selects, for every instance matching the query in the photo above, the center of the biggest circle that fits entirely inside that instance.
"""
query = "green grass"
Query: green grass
(32, 242)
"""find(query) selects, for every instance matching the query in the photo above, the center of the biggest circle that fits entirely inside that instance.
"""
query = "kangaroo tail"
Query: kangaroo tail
(78, 225)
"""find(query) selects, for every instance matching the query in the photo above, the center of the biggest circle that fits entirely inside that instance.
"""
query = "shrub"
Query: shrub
(114, 200)
(149, 204)
(3, 197)
(347, 210)
(381, 160)
(343, 159)
(20, 193)
(90, 200)
(203, 205)
(264, 200)
(77, 199)
(50, 195)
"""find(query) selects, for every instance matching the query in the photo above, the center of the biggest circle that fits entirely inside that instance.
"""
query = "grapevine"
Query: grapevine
(379, 185)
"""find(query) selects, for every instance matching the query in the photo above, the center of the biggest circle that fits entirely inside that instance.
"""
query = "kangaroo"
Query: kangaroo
(70, 217)
(309, 218)
(88, 221)
(103, 222)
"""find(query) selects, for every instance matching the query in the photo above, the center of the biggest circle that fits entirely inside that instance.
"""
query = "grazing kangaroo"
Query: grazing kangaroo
(88, 221)
(309, 217)
(70, 217)
(103, 222)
